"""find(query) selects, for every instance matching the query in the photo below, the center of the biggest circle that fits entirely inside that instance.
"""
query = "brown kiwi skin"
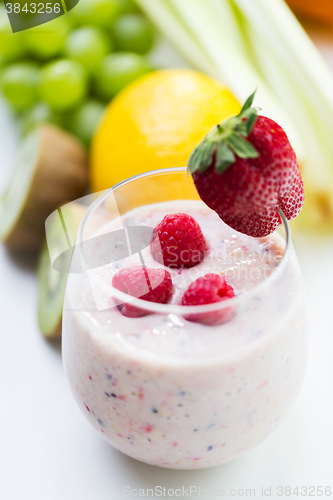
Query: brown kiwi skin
(57, 333)
(60, 175)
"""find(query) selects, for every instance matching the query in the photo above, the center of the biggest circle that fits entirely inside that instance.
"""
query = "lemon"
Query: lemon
(155, 122)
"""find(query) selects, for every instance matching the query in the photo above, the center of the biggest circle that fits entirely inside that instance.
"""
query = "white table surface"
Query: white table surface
(48, 451)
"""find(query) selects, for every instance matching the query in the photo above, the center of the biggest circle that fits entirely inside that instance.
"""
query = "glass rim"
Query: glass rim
(178, 309)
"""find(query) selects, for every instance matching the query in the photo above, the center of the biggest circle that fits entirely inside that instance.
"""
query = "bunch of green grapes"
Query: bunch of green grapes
(67, 70)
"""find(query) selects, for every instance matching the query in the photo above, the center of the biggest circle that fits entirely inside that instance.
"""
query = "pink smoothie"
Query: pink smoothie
(179, 394)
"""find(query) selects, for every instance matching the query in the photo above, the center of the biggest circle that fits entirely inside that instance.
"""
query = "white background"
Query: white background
(49, 452)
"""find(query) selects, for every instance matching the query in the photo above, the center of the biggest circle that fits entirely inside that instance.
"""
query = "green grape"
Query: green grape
(11, 46)
(128, 6)
(88, 45)
(133, 33)
(63, 84)
(37, 114)
(98, 12)
(19, 84)
(47, 40)
(118, 70)
(85, 120)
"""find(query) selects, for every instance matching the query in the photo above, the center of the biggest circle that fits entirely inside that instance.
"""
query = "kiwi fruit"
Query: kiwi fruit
(52, 283)
(51, 170)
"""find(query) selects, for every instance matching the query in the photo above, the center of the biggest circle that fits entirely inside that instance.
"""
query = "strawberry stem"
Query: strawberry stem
(226, 141)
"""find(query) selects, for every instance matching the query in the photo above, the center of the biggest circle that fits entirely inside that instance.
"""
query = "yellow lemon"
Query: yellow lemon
(156, 122)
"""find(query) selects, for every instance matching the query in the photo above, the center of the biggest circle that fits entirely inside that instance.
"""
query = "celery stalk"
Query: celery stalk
(295, 40)
(162, 14)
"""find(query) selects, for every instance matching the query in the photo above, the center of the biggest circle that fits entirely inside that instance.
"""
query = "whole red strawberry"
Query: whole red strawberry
(207, 290)
(246, 170)
(178, 241)
(153, 285)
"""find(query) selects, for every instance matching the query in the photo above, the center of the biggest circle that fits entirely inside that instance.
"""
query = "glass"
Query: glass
(167, 388)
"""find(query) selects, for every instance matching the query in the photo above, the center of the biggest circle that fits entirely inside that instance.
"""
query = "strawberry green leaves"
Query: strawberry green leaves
(224, 157)
(225, 142)
(241, 146)
(201, 157)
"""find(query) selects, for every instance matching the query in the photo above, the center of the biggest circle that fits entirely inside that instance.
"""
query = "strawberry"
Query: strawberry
(246, 170)
(207, 290)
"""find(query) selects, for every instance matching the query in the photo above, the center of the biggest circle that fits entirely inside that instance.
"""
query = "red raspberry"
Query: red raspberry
(180, 238)
(153, 285)
(207, 290)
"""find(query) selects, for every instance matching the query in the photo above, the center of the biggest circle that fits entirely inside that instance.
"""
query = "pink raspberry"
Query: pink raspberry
(207, 290)
(181, 241)
(153, 285)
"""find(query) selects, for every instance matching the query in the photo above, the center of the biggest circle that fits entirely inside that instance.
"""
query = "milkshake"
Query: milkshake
(163, 387)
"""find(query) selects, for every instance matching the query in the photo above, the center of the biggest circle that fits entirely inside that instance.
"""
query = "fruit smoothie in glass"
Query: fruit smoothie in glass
(181, 384)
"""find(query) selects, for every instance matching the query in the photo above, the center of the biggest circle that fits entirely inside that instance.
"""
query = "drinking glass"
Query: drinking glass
(165, 387)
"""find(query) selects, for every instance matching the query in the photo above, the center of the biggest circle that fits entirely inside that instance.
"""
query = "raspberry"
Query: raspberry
(153, 285)
(181, 241)
(207, 290)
